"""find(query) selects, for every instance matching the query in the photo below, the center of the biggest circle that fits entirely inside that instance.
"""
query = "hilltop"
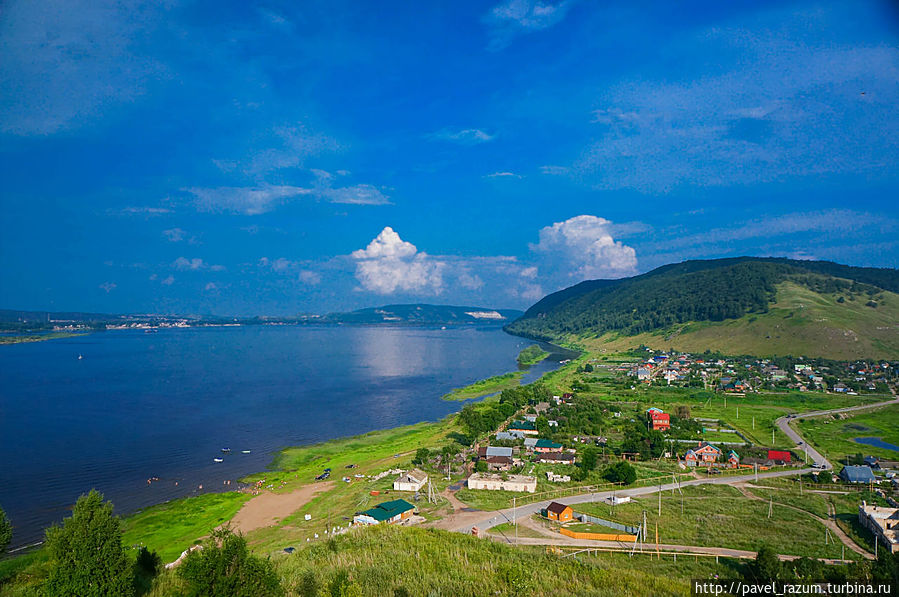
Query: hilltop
(424, 314)
(745, 305)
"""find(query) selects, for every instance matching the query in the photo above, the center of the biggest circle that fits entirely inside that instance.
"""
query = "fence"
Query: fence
(599, 488)
(608, 523)
(599, 536)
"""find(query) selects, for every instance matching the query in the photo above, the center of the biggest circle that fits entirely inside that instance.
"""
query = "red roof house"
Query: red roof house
(782, 456)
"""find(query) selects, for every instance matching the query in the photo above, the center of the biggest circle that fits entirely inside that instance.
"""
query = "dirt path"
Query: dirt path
(268, 508)
(830, 523)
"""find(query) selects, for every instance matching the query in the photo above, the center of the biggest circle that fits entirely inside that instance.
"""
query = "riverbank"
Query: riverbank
(20, 339)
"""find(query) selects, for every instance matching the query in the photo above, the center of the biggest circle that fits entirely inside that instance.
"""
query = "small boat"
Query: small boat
(226, 450)
(218, 460)
(81, 356)
(244, 451)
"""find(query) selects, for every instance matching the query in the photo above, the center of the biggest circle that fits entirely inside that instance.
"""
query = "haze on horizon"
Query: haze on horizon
(271, 158)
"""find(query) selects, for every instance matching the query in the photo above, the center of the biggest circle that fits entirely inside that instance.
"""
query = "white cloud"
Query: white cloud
(310, 277)
(140, 211)
(108, 286)
(583, 247)
(514, 17)
(360, 194)
(195, 264)
(463, 137)
(279, 265)
(555, 170)
(470, 281)
(503, 175)
(174, 234)
(168, 281)
(210, 286)
(245, 200)
(389, 264)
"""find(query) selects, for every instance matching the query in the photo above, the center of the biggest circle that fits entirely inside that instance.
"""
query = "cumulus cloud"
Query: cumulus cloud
(583, 246)
(168, 281)
(279, 265)
(389, 264)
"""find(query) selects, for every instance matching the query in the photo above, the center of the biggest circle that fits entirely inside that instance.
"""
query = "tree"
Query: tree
(588, 458)
(224, 568)
(621, 472)
(146, 567)
(87, 553)
(480, 466)
(421, 456)
(5, 531)
(766, 565)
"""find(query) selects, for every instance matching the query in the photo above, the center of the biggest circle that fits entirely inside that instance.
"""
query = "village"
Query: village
(533, 447)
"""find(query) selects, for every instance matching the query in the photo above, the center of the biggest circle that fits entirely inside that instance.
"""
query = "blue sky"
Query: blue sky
(283, 157)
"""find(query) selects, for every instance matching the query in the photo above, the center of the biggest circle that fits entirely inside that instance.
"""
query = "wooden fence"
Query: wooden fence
(599, 536)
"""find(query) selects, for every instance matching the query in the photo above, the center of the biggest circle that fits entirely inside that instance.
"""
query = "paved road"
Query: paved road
(491, 519)
(820, 461)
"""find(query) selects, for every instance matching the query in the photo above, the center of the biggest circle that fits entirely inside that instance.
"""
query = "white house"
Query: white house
(488, 481)
(411, 481)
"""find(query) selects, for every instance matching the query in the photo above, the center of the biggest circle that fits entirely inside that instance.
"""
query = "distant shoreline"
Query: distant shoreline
(21, 339)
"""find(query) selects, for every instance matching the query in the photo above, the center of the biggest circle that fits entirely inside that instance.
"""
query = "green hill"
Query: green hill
(740, 306)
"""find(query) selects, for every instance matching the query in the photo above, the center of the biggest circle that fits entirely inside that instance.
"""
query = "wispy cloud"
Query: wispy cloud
(462, 136)
(195, 264)
(503, 175)
(146, 211)
(174, 235)
(245, 200)
(108, 287)
(516, 17)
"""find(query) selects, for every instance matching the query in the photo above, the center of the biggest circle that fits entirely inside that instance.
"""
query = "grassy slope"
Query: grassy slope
(800, 322)
(39, 337)
(834, 437)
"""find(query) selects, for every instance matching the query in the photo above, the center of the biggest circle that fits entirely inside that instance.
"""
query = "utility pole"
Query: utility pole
(772, 438)
(770, 506)
(660, 499)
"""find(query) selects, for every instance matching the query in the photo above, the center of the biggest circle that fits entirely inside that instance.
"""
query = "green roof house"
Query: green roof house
(389, 512)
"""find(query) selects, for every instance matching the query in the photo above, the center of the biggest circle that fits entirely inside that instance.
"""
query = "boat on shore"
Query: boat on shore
(226, 450)
(218, 459)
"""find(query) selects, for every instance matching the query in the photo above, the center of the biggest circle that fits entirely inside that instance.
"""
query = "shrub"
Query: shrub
(225, 568)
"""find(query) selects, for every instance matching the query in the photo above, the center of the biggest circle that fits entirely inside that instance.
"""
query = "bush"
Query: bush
(224, 568)
(621, 472)
(87, 553)
(5, 531)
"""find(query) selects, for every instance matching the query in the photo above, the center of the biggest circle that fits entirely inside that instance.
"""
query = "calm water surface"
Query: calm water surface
(876, 442)
(163, 405)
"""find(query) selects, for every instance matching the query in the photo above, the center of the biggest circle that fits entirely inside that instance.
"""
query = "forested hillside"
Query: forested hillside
(698, 291)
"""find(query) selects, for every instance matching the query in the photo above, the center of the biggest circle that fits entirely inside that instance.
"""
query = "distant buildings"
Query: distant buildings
(525, 427)
(658, 420)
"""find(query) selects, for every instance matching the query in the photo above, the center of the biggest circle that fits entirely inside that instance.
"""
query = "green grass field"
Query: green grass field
(834, 436)
(172, 527)
(485, 387)
(720, 516)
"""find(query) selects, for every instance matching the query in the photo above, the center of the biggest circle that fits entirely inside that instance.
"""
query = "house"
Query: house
(530, 418)
(498, 458)
(508, 436)
(541, 407)
(388, 512)
(525, 427)
(530, 442)
(544, 445)
(493, 482)
(644, 374)
(733, 460)
(411, 481)
(553, 423)
(840, 387)
(779, 456)
(556, 458)
(705, 453)
(883, 523)
(872, 462)
(658, 421)
(559, 512)
(857, 474)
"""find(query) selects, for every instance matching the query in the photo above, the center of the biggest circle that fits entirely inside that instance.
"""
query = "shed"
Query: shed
(411, 481)
(560, 512)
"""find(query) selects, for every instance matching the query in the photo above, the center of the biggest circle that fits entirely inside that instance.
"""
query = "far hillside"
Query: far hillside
(736, 306)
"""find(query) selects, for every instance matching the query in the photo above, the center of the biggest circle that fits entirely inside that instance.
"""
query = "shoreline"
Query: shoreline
(25, 339)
